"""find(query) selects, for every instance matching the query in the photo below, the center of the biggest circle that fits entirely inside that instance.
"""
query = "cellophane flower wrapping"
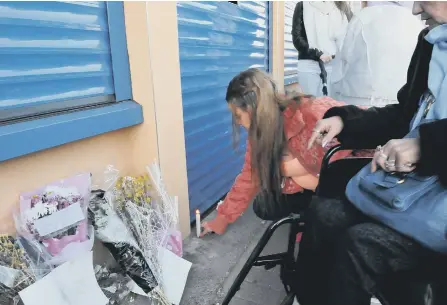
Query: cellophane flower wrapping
(21, 264)
(116, 237)
(151, 215)
(168, 211)
(115, 285)
(55, 217)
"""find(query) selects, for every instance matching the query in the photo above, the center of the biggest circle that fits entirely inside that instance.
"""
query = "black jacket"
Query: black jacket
(299, 36)
(376, 126)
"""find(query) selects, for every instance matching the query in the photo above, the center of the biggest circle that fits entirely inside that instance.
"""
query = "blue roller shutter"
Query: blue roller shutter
(217, 40)
(290, 53)
(58, 55)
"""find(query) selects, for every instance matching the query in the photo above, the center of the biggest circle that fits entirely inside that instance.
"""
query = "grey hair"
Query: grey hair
(345, 9)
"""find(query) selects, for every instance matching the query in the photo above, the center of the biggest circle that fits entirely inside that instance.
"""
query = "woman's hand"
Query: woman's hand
(397, 156)
(325, 131)
(326, 58)
(206, 229)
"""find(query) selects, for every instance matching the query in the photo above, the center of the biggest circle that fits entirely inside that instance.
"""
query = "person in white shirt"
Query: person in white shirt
(318, 30)
(371, 66)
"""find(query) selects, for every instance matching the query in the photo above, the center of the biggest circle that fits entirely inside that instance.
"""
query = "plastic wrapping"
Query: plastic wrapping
(116, 237)
(106, 179)
(151, 216)
(135, 217)
(115, 284)
(55, 217)
(18, 268)
(167, 207)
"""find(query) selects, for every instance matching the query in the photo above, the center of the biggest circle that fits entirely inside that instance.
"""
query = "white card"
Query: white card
(72, 283)
(175, 272)
(59, 220)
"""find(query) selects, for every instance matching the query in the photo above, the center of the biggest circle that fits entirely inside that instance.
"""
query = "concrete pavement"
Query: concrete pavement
(218, 259)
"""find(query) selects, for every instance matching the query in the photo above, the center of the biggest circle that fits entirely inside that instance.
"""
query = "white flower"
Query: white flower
(51, 208)
(39, 209)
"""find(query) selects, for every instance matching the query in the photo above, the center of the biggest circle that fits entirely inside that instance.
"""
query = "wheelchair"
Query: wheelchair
(334, 176)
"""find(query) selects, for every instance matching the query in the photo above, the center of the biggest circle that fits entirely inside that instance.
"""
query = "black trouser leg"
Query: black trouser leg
(346, 258)
(287, 204)
(374, 260)
(325, 220)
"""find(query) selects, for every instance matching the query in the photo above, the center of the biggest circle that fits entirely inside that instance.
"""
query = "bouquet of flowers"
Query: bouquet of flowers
(18, 269)
(117, 238)
(151, 216)
(55, 217)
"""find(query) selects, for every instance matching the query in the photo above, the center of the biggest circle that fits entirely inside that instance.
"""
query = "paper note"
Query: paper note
(59, 220)
(72, 283)
(175, 273)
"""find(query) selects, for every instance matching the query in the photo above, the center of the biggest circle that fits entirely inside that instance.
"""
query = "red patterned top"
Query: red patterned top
(299, 121)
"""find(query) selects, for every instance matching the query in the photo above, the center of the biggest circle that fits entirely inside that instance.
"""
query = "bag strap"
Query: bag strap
(426, 100)
(430, 101)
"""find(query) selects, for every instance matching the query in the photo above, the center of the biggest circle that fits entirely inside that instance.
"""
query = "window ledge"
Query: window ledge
(32, 136)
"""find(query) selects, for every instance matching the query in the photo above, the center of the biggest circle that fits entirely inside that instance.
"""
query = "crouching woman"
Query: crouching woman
(279, 173)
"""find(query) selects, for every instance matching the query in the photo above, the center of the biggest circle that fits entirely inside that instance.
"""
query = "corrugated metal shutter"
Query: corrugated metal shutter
(217, 41)
(290, 53)
(54, 52)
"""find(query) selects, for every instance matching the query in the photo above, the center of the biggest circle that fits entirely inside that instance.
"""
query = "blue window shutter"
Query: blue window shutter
(290, 53)
(120, 56)
(53, 51)
(61, 55)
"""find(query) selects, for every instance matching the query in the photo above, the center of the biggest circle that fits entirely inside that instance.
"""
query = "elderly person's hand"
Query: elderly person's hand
(397, 156)
(325, 131)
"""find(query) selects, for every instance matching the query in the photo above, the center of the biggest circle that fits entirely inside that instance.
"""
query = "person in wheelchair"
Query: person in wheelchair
(278, 170)
(347, 256)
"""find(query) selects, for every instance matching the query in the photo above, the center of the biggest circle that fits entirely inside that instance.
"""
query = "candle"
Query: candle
(198, 225)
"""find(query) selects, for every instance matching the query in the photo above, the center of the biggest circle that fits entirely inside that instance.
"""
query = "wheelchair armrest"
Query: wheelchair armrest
(329, 154)
(335, 176)
(332, 151)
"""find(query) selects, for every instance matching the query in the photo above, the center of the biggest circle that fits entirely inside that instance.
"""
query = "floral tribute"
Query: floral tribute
(55, 218)
(18, 269)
